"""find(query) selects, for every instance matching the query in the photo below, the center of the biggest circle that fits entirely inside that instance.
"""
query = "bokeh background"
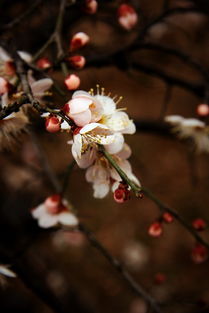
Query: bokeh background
(63, 267)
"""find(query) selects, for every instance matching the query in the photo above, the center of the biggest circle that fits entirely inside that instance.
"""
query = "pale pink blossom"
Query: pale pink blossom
(127, 16)
(191, 128)
(72, 82)
(54, 211)
(79, 40)
(83, 108)
(203, 109)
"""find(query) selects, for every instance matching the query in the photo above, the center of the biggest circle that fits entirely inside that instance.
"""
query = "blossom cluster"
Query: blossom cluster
(10, 91)
(190, 128)
(97, 121)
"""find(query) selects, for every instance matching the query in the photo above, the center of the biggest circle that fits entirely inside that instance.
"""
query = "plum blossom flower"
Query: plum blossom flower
(5, 271)
(54, 211)
(79, 40)
(103, 176)
(191, 128)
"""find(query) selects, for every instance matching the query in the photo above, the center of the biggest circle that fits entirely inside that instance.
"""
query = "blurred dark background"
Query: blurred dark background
(62, 267)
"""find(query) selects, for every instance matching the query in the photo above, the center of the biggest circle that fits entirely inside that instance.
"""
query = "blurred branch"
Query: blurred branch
(120, 269)
(21, 17)
(165, 102)
(56, 38)
(164, 208)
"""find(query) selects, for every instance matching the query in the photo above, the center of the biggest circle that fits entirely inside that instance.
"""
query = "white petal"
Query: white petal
(67, 218)
(77, 146)
(108, 104)
(27, 57)
(116, 145)
(4, 56)
(6, 271)
(131, 129)
(78, 105)
(65, 125)
(48, 220)
(92, 126)
(87, 158)
(174, 119)
(101, 190)
(38, 211)
(125, 153)
(40, 86)
(119, 122)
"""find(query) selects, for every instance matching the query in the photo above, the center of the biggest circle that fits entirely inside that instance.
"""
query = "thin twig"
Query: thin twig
(176, 215)
(136, 189)
(120, 269)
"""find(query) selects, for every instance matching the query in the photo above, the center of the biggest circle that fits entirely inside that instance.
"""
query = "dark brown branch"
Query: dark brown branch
(14, 107)
(177, 216)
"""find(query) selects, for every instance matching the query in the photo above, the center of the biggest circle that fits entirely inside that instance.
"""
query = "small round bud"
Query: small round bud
(203, 109)
(122, 194)
(199, 224)
(91, 6)
(155, 229)
(79, 40)
(52, 124)
(199, 254)
(127, 16)
(77, 61)
(44, 63)
(167, 217)
(72, 82)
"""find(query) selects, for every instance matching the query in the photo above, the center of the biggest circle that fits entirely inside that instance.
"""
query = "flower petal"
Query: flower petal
(67, 218)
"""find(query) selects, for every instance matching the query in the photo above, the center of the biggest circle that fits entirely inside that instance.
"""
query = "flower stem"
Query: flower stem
(136, 189)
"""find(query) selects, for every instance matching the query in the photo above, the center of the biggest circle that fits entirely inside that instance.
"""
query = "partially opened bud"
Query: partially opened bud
(44, 63)
(199, 224)
(167, 217)
(52, 124)
(72, 82)
(91, 6)
(203, 109)
(155, 229)
(79, 40)
(127, 16)
(77, 61)
(4, 86)
(52, 203)
(121, 194)
(199, 254)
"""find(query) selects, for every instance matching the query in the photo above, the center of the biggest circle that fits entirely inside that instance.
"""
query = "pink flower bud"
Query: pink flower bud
(91, 6)
(72, 82)
(155, 229)
(44, 63)
(127, 16)
(167, 217)
(79, 40)
(4, 86)
(203, 109)
(121, 194)
(199, 224)
(52, 124)
(77, 61)
(199, 254)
